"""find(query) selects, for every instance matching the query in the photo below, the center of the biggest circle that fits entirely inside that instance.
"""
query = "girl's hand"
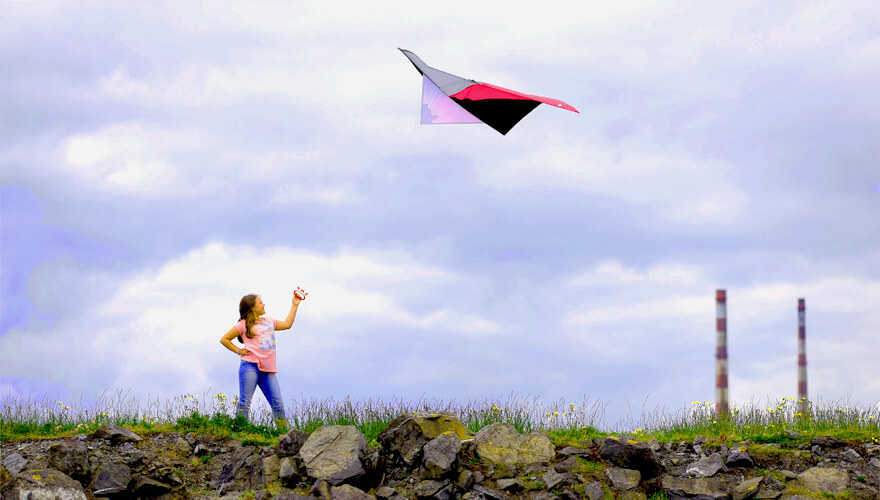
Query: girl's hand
(244, 352)
(299, 295)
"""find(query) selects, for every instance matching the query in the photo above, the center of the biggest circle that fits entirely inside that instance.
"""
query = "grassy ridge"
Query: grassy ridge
(566, 423)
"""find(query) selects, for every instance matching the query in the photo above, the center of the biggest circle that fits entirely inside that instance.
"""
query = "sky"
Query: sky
(162, 159)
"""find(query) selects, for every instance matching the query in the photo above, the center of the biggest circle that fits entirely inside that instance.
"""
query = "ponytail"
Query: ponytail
(245, 310)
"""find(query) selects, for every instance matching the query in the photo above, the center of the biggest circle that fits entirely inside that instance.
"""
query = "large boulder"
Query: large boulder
(333, 453)
(825, 480)
(409, 433)
(43, 483)
(699, 488)
(502, 444)
(630, 454)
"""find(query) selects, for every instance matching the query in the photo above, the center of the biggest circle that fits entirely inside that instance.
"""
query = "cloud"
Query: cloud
(663, 316)
(163, 324)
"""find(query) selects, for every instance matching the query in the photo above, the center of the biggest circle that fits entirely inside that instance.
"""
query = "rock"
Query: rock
(71, 458)
(740, 458)
(289, 470)
(850, 455)
(787, 474)
(500, 471)
(14, 463)
(791, 433)
(230, 469)
(542, 495)
(489, 494)
(389, 493)
(334, 453)
(632, 495)
(439, 454)
(875, 463)
(824, 479)
(146, 487)
(828, 442)
(466, 480)
(698, 449)
(513, 485)
(349, 492)
(321, 489)
(699, 440)
(566, 465)
(701, 488)
(271, 468)
(43, 483)
(182, 445)
(115, 434)
(167, 475)
(571, 450)
(767, 494)
(552, 479)
(623, 479)
(594, 490)
(501, 443)
(630, 455)
(707, 467)
(111, 478)
(434, 490)
(408, 433)
(746, 489)
(201, 450)
(290, 443)
(254, 467)
(654, 445)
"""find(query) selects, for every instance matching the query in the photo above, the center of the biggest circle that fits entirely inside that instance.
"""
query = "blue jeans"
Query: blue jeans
(248, 378)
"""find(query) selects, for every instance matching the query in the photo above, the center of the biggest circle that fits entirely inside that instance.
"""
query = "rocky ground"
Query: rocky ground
(430, 456)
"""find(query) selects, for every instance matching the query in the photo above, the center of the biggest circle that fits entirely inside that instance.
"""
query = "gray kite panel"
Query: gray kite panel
(448, 83)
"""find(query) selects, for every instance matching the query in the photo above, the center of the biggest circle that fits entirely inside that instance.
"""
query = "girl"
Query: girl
(257, 333)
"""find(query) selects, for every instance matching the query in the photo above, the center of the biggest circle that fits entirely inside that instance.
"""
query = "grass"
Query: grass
(567, 424)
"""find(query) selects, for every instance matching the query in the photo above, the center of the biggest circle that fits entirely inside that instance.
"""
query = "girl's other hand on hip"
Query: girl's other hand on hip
(244, 352)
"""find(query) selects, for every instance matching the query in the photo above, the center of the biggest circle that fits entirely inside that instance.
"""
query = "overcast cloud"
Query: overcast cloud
(160, 160)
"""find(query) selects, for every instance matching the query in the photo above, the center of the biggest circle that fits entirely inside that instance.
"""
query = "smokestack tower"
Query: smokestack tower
(721, 394)
(802, 355)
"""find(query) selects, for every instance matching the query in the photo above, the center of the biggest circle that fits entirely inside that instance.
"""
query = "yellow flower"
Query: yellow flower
(36, 477)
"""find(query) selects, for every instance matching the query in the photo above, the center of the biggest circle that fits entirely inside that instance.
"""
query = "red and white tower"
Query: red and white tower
(802, 354)
(721, 394)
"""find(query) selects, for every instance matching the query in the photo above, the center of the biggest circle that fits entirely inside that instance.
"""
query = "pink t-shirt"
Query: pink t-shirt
(261, 345)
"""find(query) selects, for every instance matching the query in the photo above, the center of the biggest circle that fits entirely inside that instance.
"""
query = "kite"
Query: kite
(448, 98)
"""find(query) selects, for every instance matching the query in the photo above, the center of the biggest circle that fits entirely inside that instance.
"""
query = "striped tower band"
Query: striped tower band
(721, 390)
(802, 350)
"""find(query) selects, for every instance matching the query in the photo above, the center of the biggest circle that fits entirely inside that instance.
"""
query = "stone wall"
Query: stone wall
(431, 456)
